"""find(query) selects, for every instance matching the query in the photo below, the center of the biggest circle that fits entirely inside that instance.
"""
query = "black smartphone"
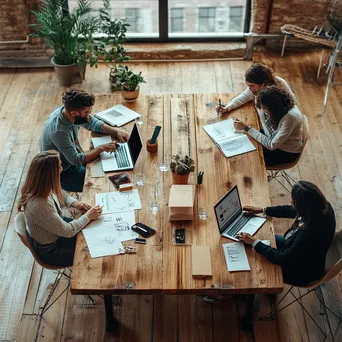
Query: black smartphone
(139, 240)
(180, 235)
(143, 230)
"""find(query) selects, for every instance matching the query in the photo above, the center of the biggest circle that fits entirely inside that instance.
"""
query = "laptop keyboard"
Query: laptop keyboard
(122, 157)
(238, 225)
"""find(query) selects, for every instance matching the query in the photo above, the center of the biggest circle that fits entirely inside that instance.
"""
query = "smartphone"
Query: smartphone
(139, 240)
(143, 230)
(180, 235)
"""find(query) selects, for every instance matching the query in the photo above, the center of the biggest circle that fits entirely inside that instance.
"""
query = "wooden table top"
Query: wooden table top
(160, 266)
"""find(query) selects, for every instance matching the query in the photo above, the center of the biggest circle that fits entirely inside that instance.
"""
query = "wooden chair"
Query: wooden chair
(20, 229)
(276, 171)
(333, 268)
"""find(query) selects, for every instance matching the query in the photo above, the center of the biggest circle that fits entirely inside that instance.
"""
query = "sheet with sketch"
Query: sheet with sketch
(104, 236)
(230, 143)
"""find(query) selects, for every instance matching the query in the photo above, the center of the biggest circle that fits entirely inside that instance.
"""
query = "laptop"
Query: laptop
(126, 154)
(231, 219)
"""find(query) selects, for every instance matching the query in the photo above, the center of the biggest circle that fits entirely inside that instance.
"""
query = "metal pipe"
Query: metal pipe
(268, 16)
(15, 41)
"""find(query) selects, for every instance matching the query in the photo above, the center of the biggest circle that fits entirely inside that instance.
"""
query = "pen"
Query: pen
(220, 104)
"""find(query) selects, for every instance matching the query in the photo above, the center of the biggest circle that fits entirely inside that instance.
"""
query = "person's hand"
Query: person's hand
(80, 206)
(121, 136)
(249, 210)
(246, 238)
(221, 110)
(110, 147)
(94, 212)
(239, 125)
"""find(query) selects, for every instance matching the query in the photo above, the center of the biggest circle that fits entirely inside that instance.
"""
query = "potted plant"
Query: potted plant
(69, 34)
(129, 82)
(181, 168)
(110, 46)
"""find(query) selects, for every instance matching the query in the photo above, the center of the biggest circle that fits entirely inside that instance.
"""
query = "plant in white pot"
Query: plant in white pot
(129, 82)
(69, 34)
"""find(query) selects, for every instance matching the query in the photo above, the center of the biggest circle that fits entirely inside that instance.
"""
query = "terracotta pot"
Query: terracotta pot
(130, 96)
(152, 148)
(180, 179)
(67, 74)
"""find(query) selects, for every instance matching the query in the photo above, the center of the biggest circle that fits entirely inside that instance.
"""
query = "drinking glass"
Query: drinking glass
(139, 120)
(164, 166)
(139, 180)
(202, 213)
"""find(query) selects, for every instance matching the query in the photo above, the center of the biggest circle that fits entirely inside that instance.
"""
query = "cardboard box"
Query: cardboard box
(181, 202)
(201, 261)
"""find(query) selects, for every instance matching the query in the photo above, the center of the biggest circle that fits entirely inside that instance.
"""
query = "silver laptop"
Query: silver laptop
(231, 219)
(126, 154)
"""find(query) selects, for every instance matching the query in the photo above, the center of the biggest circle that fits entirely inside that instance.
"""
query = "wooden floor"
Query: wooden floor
(27, 97)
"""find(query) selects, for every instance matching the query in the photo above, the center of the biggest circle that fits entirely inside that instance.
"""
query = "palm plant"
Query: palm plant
(69, 34)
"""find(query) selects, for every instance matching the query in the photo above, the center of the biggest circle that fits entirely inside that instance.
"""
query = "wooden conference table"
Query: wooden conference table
(160, 267)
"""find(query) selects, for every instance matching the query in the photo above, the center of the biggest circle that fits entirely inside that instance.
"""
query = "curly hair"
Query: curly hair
(277, 101)
(260, 74)
(74, 99)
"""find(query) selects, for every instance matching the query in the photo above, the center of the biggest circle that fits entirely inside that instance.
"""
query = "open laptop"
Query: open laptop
(231, 219)
(126, 154)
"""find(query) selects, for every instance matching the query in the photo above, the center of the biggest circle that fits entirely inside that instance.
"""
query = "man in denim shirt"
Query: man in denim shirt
(60, 133)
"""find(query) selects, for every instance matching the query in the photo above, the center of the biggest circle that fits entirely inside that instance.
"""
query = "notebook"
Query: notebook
(118, 115)
(230, 142)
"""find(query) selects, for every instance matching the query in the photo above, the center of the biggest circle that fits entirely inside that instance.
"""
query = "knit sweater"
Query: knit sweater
(44, 219)
(247, 96)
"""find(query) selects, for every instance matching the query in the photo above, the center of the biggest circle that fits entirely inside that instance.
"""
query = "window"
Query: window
(132, 16)
(236, 19)
(177, 20)
(206, 19)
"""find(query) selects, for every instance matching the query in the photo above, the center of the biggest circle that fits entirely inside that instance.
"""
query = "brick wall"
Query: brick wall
(14, 20)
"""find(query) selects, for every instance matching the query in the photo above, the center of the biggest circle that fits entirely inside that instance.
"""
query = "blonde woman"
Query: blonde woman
(52, 236)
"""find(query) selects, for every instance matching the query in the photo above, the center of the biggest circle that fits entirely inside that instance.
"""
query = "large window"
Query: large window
(165, 20)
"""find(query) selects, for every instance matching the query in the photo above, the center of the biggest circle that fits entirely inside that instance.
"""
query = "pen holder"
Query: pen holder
(152, 148)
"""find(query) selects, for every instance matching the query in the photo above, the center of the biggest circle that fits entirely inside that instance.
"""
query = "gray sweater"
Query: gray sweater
(44, 219)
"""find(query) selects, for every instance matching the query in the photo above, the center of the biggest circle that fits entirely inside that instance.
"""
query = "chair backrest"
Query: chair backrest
(305, 138)
(20, 229)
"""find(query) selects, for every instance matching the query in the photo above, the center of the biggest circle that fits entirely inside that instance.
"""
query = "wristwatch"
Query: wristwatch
(247, 128)
(264, 211)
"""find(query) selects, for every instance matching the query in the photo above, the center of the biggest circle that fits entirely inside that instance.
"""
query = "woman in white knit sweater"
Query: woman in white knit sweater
(282, 143)
(52, 236)
(257, 77)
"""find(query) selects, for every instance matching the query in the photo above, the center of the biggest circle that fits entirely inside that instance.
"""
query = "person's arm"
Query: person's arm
(281, 211)
(240, 100)
(287, 88)
(285, 130)
(47, 217)
(68, 200)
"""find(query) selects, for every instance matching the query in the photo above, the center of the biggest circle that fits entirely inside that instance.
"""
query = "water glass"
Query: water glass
(202, 213)
(139, 180)
(164, 166)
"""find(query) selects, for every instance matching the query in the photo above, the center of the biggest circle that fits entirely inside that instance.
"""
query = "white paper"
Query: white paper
(118, 115)
(104, 235)
(236, 257)
(114, 202)
(229, 141)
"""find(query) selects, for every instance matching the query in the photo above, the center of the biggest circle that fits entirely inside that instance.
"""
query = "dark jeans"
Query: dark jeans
(279, 240)
(277, 157)
(72, 179)
(58, 253)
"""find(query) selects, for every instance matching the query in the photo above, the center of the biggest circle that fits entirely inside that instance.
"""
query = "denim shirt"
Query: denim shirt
(61, 135)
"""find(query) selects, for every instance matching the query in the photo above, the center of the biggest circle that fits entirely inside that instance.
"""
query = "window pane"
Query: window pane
(203, 18)
(142, 15)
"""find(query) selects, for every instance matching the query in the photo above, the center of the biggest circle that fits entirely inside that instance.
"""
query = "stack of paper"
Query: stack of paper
(236, 257)
(118, 115)
(230, 142)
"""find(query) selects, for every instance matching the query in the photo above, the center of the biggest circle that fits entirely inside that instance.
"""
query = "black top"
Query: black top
(302, 256)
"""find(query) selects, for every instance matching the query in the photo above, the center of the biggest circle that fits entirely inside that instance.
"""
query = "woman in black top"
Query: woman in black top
(301, 252)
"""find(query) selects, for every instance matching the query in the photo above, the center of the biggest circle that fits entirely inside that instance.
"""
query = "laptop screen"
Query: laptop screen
(135, 144)
(228, 208)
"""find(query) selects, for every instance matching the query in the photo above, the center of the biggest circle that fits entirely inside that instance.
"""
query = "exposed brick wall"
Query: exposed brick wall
(14, 20)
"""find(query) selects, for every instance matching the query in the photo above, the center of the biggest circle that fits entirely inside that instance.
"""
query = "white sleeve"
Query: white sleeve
(284, 131)
(287, 88)
(240, 100)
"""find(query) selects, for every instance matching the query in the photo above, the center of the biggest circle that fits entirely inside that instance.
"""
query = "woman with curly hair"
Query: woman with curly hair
(257, 77)
(282, 143)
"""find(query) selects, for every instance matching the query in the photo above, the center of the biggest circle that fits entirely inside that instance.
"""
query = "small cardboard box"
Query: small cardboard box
(181, 202)
(201, 261)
